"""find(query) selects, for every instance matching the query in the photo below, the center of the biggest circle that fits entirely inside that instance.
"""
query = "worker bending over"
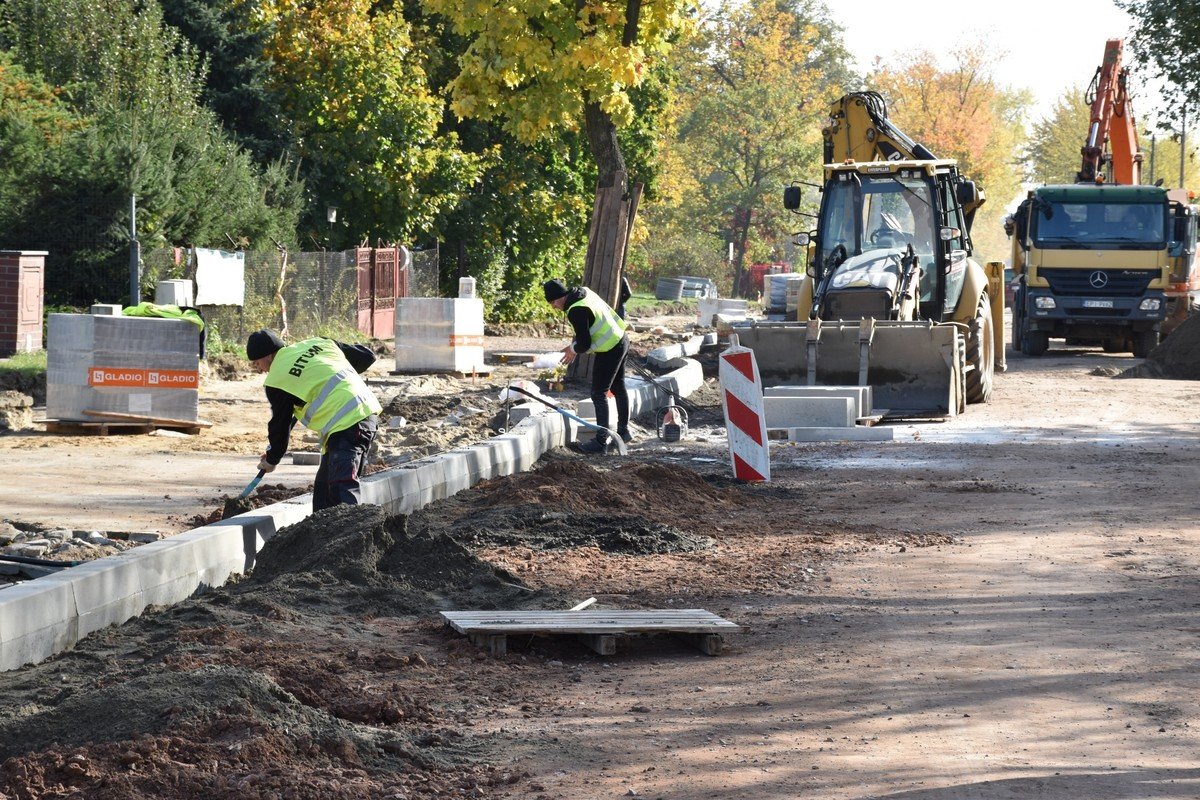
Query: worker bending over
(598, 330)
(316, 382)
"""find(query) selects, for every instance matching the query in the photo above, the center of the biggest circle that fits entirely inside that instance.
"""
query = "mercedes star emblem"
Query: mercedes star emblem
(1098, 279)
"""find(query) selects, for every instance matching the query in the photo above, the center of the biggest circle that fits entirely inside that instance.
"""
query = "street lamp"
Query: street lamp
(331, 216)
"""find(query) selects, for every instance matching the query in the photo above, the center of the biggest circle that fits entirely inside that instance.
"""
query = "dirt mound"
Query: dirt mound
(152, 703)
(535, 527)
(220, 733)
(1177, 357)
(639, 488)
(357, 559)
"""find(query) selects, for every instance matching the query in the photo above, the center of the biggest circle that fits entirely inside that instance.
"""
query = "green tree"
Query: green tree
(364, 119)
(136, 82)
(755, 85)
(546, 66)
(1166, 39)
(236, 74)
(1053, 154)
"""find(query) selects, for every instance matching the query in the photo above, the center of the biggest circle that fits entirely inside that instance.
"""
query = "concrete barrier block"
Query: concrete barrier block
(456, 472)
(810, 412)
(861, 394)
(221, 551)
(107, 591)
(168, 571)
(859, 433)
(37, 619)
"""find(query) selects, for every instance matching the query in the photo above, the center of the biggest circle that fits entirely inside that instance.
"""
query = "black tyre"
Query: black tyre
(1144, 342)
(1034, 343)
(981, 353)
(1115, 346)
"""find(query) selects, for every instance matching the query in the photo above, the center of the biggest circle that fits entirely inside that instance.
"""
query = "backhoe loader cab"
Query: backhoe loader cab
(890, 243)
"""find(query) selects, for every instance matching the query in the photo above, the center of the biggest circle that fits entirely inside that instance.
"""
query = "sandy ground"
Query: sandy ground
(999, 606)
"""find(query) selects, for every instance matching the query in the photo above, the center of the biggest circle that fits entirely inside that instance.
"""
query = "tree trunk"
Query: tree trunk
(613, 216)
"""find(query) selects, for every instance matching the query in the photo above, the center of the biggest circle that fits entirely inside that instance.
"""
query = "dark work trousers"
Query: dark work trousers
(608, 374)
(343, 464)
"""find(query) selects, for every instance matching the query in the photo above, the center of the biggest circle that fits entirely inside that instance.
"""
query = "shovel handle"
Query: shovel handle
(250, 486)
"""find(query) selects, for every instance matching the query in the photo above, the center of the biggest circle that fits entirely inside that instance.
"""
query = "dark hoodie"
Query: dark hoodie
(581, 319)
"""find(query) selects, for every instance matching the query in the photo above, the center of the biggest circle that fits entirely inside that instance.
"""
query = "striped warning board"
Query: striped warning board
(745, 422)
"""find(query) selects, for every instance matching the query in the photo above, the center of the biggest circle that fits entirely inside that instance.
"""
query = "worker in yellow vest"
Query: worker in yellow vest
(598, 330)
(316, 382)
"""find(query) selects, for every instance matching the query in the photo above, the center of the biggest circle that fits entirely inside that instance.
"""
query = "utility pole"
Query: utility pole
(1182, 143)
(135, 255)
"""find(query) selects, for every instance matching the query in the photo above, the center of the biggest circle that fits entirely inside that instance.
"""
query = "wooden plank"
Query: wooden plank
(587, 622)
(160, 421)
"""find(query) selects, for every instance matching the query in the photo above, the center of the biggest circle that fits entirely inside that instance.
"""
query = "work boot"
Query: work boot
(625, 435)
(591, 447)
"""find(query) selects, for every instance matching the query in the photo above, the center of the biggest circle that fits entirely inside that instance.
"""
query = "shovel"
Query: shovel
(612, 436)
(250, 486)
(240, 505)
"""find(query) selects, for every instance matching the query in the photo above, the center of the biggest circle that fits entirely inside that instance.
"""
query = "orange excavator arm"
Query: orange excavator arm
(1111, 146)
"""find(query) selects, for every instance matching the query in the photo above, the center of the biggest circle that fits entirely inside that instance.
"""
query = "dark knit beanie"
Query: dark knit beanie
(262, 343)
(554, 289)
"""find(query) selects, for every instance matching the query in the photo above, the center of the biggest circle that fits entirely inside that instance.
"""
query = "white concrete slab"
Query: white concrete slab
(810, 412)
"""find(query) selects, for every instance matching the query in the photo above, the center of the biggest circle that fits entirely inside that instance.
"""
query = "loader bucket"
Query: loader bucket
(913, 368)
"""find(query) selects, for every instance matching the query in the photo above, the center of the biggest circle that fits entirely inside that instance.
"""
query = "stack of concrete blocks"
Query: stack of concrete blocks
(435, 334)
(144, 366)
(822, 413)
(710, 308)
(781, 293)
(173, 293)
(42, 617)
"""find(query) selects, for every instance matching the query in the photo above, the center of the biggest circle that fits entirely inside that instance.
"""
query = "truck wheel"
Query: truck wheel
(1034, 343)
(981, 354)
(1115, 346)
(1144, 342)
(1017, 322)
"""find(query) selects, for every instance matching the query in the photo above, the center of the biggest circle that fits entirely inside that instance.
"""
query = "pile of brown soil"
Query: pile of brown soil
(1177, 357)
(359, 560)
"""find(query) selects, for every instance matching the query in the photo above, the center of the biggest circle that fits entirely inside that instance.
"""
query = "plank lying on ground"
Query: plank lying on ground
(686, 620)
(597, 629)
(182, 423)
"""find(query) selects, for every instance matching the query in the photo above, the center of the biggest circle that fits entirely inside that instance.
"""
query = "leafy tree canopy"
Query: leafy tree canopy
(535, 65)
(1167, 39)
(365, 121)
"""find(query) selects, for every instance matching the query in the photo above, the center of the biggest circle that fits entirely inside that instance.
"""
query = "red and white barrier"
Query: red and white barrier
(745, 421)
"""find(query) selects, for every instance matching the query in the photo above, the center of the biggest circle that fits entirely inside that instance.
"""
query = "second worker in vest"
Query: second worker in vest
(316, 382)
(598, 330)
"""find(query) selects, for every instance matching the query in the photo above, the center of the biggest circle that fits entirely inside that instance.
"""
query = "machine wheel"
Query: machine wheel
(1034, 343)
(1115, 346)
(1144, 342)
(981, 354)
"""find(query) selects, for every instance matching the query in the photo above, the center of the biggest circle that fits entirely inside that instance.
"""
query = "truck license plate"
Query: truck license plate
(1097, 303)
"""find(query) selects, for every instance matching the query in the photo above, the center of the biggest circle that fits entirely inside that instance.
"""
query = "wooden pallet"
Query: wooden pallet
(111, 427)
(598, 629)
(481, 372)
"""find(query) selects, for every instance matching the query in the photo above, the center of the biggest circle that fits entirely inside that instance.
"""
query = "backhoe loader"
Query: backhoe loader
(892, 298)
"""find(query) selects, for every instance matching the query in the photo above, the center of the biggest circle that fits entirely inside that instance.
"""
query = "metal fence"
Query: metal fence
(304, 294)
